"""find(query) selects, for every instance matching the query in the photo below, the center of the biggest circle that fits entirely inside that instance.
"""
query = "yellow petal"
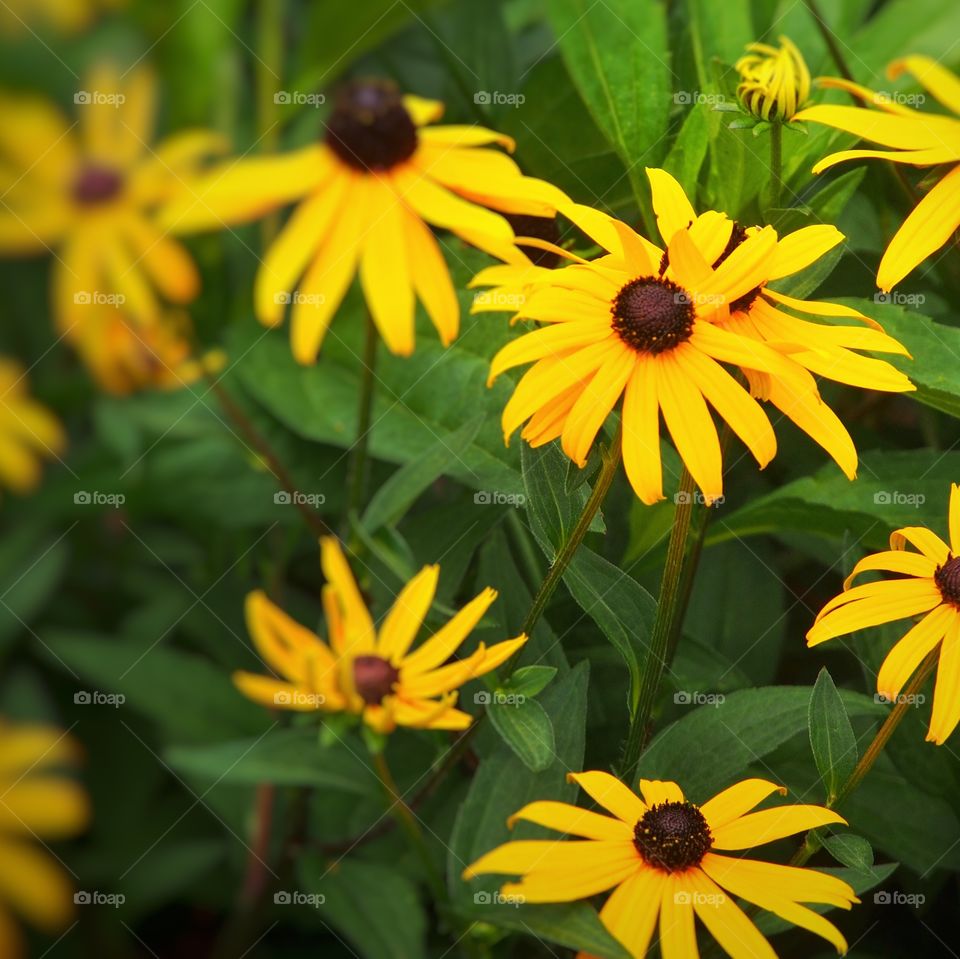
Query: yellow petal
(725, 920)
(610, 793)
(933, 76)
(903, 660)
(954, 518)
(923, 130)
(422, 111)
(677, 934)
(757, 828)
(924, 540)
(930, 225)
(641, 432)
(572, 820)
(656, 791)
(527, 856)
(446, 640)
(586, 879)
(738, 799)
(499, 653)
(358, 626)
(799, 249)
(431, 279)
(33, 883)
(546, 341)
(460, 135)
(630, 914)
(674, 211)
(403, 622)
(946, 693)
(48, 806)
(893, 561)
(874, 612)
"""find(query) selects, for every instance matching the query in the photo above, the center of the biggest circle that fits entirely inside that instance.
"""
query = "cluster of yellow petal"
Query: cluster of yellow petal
(774, 81)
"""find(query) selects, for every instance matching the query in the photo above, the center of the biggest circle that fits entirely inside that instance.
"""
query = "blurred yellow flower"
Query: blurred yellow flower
(774, 81)
(660, 855)
(369, 191)
(28, 431)
(125, 355)
(87, 192)
(65, 16)
(917, 138)
(928, 586)
(366, 670)
(36, 803)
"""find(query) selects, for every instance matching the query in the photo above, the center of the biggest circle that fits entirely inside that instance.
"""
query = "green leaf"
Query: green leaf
(831, 736)
(619, 605)
(617, 55)
(31, 566)
(525, 728)
(574, 925)
(529, 680)
(849, 850)
(284, 757)
(376, 908)
(712, 746)
(392, 500)
(190, 699)
(895, 488)
(503, 784)
(552, 511)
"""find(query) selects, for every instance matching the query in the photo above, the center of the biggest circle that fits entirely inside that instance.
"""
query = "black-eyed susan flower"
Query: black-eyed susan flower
(822, 349)
(370, 192)
(918, 138)
(774, 81)
(927, 586)
(662, 857)
(125, 355)
(645, 325)
(366, 669)
(36, 803)
(29, 432)
(88, 192)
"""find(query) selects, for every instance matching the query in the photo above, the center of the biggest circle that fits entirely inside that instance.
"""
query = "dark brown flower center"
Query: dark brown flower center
(369, 127)
(540, 227)
(373, 678)
(652, 314)
(95, 184)
(947, 577)
(672, 836)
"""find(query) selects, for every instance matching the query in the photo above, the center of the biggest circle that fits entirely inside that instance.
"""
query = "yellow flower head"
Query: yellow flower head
(918, 138)
(928, 586)
(28, 431)
(661, 856)
(125, 356)
(654, 326)
(88, 192)
(370, 192)
(368, 670)
(824, 350)
(774, 81)
(37, 804)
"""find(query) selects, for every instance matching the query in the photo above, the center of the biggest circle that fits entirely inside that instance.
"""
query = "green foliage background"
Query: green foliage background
(146, 600)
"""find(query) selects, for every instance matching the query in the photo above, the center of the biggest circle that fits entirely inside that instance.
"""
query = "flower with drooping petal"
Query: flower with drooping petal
(915, 137)
(369, 194)
(927, 585)
(29, 432)
(774, 81)
(36, 803)
(368, 670)
(662, 856)
(821, 349)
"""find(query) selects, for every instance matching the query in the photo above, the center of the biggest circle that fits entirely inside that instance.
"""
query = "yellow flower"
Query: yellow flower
(660, 855)
(125, 355)
(928, 587)
(916, 138)
(774, 82)
(822, 349)
(368, 192)
(65, 16)
(35, 804)
(366, 670)
(646, 325)
(28, 431)
(88, 193)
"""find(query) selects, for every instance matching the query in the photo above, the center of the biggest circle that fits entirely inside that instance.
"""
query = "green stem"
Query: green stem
(830, 40)
(408, 822)
(669, 610)
(873, 751)
(608, 469)
(356, 474)
(269, 67)
(776, 165)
